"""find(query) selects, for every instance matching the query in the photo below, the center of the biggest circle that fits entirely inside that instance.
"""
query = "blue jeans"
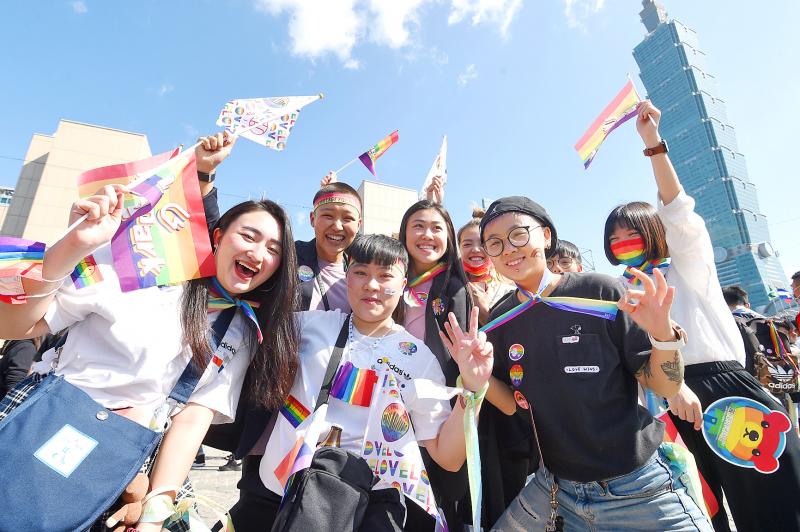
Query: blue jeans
(648, 498)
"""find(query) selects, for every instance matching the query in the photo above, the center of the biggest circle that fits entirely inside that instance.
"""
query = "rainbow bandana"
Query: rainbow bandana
(219, 299)
(410, 296)
(479, 274)
(593, 307)
(647, 267)
(337, 197)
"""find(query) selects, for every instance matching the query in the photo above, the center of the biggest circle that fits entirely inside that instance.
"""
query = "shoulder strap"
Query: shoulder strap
(333, 364)
(188, 380)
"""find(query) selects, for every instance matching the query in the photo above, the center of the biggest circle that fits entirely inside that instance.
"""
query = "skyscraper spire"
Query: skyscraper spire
(652, 14)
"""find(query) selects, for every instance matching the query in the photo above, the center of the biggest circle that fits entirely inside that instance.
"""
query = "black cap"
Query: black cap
(522, 205)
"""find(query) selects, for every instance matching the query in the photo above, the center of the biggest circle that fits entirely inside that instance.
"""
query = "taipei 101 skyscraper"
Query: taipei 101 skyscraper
(703, 148)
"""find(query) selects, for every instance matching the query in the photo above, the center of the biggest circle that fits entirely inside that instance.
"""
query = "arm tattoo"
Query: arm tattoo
(645, 371)
(674, 369)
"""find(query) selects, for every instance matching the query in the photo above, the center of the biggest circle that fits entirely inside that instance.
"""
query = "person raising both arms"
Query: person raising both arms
(674, 239)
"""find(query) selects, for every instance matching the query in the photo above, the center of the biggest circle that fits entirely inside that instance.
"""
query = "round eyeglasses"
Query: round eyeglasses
(517, 237)
(564, 262)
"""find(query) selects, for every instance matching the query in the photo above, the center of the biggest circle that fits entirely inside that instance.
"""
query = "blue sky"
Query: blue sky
(513, 83)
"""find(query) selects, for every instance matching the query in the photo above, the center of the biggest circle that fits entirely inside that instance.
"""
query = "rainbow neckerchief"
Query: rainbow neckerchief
(647, 267)
(410, 295)
(593, 307)
(479, 274)
(219, 299)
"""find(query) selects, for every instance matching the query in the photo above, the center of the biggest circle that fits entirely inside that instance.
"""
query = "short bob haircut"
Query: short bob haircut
(377, 249)
(642, 217)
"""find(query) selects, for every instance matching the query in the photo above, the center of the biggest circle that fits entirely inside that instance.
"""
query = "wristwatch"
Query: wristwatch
(661, 147)
(207, 178)
(673, 345)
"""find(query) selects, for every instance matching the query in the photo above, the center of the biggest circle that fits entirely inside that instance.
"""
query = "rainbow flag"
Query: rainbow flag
(294, 411)
(300, 455)
(93, 180)
(18, 258)
(354, 385)
(671, 435)
(621, 109)
(163, 238)
(370, 156)
(86, 273)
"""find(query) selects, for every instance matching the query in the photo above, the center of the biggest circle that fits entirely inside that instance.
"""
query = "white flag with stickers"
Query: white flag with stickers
(438, 169)
(265, 121)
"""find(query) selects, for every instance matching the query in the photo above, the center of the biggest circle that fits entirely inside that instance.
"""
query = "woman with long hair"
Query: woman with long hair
(126, 350)
(436, 286)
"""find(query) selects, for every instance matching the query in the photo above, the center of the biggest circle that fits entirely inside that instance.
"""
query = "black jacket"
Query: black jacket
(15, 363)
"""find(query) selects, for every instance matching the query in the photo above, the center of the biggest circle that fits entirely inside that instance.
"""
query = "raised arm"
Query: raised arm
(104, 216)
(666, 179)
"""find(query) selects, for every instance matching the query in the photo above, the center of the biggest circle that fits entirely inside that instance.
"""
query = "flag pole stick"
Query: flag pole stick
(346, 165)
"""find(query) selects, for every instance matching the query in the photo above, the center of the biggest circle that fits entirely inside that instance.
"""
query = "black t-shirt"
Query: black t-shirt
(577, 373)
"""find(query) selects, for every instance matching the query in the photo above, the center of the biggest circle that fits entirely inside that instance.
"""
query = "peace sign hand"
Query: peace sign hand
(473, 354)
(649, 308)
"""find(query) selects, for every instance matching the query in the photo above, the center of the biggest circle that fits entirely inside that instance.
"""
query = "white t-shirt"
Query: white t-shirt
(125, 349)
(399, 352)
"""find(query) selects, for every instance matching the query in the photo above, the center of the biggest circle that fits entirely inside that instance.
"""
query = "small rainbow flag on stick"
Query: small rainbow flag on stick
(18, 258)
(370, 156)
(621, 109)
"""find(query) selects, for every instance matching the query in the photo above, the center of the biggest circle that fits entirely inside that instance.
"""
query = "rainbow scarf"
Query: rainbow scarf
(647, 267)
(353, 385)
(219, 299)
(593, 307)
(479, 274)
(410, 295)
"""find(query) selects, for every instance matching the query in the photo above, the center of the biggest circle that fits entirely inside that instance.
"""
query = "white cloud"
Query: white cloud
(319, 28)
(499, 13)
(578, 12)
(300, 219)
(191, 131)
(79, 7)
(470, 73)
(164, 89)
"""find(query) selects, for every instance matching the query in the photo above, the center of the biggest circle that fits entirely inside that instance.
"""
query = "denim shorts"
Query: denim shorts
(649, 498)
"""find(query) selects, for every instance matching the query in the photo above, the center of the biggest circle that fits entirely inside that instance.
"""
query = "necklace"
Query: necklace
(351, 342)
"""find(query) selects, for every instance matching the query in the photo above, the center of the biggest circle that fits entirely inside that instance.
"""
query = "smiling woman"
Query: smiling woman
(127, 350)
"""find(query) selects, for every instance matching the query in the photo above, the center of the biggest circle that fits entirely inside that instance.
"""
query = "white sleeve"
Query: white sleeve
(428, 414)
(220, 390)
(690, 249)
(70, 306)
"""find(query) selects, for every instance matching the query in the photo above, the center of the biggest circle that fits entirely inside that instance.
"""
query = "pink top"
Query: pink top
(415, 316)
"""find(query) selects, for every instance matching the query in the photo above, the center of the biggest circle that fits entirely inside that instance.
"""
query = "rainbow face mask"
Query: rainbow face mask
(629, 252)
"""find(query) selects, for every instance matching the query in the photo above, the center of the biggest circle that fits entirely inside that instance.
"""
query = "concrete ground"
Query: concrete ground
(219, 486)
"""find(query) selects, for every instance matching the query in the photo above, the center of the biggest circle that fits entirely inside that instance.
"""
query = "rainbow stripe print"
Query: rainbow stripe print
(621, 109)
(20, 257)
(294, 411)
(86, 273)
(353, 385)
(163, 240)
(629, 251)
(370, 156)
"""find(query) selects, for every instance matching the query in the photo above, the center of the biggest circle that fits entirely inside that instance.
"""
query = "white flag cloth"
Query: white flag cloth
(439, 168)
(265, 121)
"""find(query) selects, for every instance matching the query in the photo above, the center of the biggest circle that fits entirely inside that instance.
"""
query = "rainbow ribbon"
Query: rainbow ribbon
(593, 307)
(472, 406)
(647, 267)
(222, 300)
(410, 295)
